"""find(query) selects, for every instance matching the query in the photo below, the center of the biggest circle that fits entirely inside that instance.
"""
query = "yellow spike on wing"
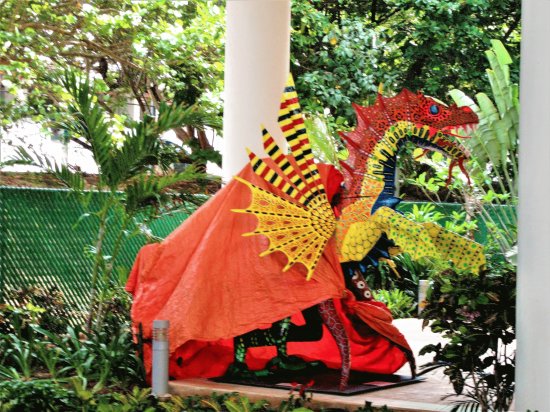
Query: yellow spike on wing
(301, 233)
(298, 229)
(291, 121)
(271, 176)
(292, 176)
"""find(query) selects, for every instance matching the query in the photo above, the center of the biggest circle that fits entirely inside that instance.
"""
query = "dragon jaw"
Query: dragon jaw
(445, 141)
(385, 125)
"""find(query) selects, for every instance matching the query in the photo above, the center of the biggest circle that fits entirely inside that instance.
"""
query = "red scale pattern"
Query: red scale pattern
(335, 326)
(373, 121)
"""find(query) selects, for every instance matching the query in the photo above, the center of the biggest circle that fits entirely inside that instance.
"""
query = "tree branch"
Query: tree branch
(373, 7)
(386, 17)
(81, 143)
(512, 27)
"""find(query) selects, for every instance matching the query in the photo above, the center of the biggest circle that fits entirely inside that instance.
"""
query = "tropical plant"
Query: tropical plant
(476, 314)
(324, 139)
(134, 173)
(456, 221)
(341, 50)
(401, 273)
(494, 147)
(103, 358)
(400, 304)
(34, 304)
(34, 395)
(141, 54)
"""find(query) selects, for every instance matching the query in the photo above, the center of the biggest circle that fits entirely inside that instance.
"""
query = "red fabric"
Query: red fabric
(210, 283)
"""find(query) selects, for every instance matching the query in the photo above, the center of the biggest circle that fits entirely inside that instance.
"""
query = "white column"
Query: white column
(256, 66)
(533, 299)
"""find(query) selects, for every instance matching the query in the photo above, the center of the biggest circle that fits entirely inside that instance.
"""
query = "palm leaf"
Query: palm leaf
(88, 120)
(172, 116)
(495, 140)
(71, 179)
(147, 190)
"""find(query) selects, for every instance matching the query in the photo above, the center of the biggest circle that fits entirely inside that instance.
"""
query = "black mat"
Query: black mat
(326, 381)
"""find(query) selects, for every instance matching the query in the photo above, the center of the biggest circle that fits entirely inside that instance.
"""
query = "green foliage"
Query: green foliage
(457, 221)
(330, 60)
(477, 315)
(342, 50)
(146, 50)
(34, 395)
(33, 305)
(324, 139)
(33, 345)
(243, 405)
(129, 160)
(139, 400)
(145, 53)
(496, 139)
(400, 304)
(402, 273)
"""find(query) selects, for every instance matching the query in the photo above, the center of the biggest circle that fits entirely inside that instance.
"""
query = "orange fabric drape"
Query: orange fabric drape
(210, 283)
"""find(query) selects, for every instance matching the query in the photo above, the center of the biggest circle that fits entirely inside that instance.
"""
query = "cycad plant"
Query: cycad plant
(134, 174)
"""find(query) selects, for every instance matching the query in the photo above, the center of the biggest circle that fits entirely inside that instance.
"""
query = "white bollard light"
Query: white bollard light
(160, 358)
(422, 292)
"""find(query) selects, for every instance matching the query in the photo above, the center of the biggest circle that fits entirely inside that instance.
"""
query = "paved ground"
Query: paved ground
(424, 396)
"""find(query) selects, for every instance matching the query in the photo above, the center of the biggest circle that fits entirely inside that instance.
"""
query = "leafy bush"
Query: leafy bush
(477, 315)
(400, 304)
(118, 304)
(34, 305)
(32, 343)
(402, 273)
(34, 395)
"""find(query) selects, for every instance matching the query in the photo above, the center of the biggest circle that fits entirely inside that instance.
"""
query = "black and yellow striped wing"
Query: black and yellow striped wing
(300, 227)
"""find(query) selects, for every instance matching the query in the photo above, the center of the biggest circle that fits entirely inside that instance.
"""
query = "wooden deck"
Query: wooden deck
(423, 396)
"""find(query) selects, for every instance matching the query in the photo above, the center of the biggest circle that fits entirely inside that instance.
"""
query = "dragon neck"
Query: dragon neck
(375, 171)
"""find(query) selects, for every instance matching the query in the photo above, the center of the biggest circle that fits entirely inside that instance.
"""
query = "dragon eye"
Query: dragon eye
(434, 109)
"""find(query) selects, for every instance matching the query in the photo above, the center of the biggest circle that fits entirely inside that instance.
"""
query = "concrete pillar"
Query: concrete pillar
(256, 66)
(533, 299)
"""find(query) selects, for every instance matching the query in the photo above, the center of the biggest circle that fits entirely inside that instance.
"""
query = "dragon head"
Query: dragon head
(425, 121)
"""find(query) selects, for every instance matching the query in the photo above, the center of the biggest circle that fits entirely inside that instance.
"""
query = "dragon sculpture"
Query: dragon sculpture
(222, 299)
(301, 224)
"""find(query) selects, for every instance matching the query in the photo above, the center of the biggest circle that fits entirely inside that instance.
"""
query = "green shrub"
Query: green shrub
(34, 305)
(35, 395)
(477, 314)
(400, 304)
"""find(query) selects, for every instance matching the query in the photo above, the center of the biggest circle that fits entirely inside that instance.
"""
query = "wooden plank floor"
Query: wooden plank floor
(424, 396)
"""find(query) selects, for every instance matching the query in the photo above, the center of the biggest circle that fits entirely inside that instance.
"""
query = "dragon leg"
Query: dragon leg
(274, 336)
(278, 335)
(330, 317)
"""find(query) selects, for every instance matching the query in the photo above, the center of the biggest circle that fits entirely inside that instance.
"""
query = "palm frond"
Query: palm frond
(172, 116)
(88, 120)
(149, 190)
(73, 180)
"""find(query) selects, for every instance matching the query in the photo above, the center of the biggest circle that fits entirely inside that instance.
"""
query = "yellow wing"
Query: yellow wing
(301, 227)
(419, 240)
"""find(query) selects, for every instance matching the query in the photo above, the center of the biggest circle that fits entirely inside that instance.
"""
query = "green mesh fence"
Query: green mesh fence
(43, 240)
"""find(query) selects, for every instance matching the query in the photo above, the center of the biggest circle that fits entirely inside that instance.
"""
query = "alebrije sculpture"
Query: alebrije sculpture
(308, 238)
